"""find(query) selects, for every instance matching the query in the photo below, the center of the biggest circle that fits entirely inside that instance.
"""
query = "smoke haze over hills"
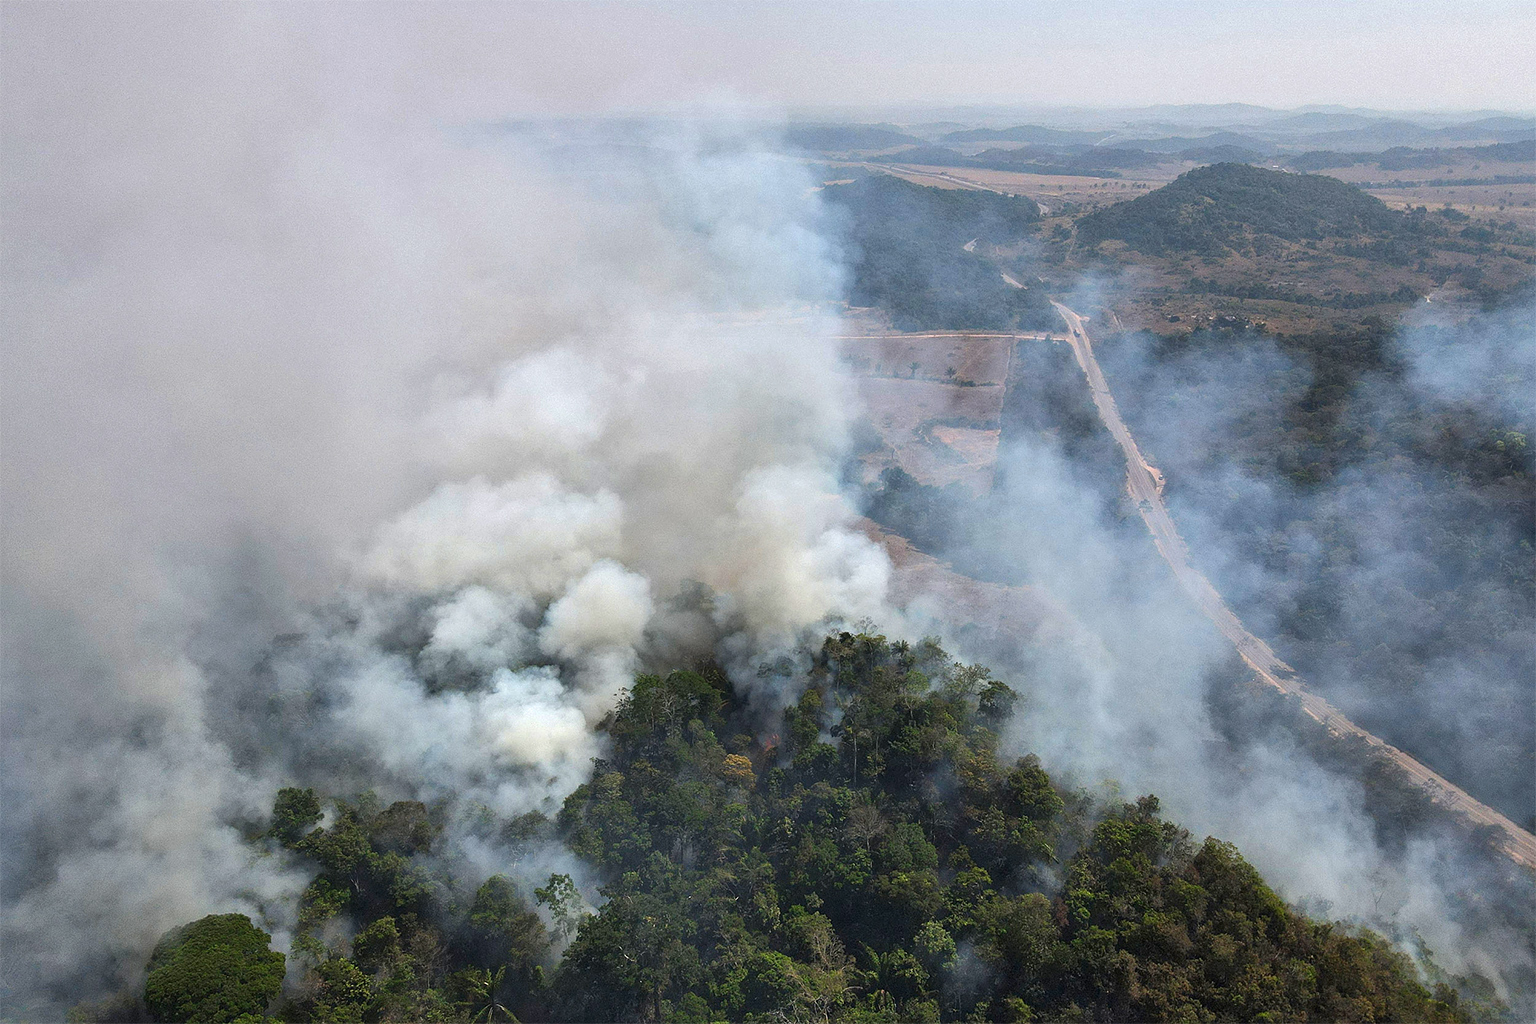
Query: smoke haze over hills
(352, 443)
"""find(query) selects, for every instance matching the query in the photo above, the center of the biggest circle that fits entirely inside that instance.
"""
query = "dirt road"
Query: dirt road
(1145, 484)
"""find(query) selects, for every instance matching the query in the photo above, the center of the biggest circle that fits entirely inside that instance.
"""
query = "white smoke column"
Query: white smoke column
(273, 335)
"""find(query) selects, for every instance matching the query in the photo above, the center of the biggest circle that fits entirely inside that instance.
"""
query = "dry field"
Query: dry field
(934, 427)
(908, 414)
(1484, 202)
(1051, 191)
(945, 358)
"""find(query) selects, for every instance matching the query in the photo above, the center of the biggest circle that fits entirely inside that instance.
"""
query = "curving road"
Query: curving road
(1145, 484)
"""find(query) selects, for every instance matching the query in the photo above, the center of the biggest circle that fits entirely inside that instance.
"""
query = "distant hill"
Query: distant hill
(1220, 154)
(1319, 121)
(1086, 159)
(1387, 134)
(1400, 158)
(933, 156)
(1175, 144)
(1091, 161)
(1501, 122)
(1208, 208)
(1024, 133)
(837, 138)
(1208, 113)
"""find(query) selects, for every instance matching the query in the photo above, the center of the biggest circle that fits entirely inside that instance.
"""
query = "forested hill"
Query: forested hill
(943, 216)
(1210, 208)
(906, 245)
(864, 855)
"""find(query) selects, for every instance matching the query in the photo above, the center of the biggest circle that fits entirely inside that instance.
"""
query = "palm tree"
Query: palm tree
(482, 994)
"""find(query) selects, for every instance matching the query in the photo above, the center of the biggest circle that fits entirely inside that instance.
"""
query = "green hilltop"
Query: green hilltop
(1210, 209)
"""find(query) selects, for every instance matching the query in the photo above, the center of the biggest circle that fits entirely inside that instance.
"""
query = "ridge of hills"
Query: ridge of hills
(1316, 129)
(1401, 158)
(831, 137)
(1025, 133)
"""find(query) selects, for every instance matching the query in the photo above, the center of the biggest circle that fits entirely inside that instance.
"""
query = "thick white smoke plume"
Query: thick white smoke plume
(278, 338)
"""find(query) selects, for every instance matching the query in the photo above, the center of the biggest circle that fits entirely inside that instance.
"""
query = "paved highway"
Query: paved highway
(1145, 484)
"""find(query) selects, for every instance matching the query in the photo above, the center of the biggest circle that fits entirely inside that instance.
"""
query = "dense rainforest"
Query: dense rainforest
(864, 853)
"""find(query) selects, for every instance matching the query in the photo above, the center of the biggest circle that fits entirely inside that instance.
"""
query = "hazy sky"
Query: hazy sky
(552, 58)
(1399, 54)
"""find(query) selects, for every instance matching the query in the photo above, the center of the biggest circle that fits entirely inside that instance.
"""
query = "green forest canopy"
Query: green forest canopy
(863, 856)
(220, 968)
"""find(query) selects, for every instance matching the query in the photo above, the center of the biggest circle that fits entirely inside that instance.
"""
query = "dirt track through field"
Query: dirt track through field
(1145, 484)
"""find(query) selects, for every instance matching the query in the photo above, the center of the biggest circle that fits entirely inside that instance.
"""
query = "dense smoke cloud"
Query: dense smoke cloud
(462, 419)
(1119, 701)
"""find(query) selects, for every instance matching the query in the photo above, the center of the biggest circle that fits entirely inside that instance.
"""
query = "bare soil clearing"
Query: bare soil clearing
(980, 358)
(908, 415)
(934, 398)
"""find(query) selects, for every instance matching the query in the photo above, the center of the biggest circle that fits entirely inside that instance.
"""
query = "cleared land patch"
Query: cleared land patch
(905, 414)
(945, 358)
(933, 401)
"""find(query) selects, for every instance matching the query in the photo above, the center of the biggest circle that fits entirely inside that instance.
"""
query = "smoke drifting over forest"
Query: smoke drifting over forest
(1129, 697)
(1393, 576)
(352, 444)
(281, 368)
